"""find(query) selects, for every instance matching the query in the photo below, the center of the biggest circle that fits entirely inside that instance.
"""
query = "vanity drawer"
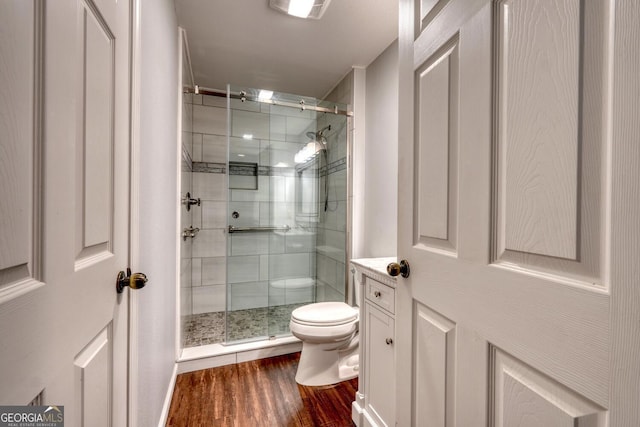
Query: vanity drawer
(381, 295)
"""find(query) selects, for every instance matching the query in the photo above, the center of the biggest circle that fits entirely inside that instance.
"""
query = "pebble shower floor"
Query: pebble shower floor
(209, 328)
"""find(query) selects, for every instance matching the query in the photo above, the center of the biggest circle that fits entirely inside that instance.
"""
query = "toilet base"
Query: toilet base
(319, 365)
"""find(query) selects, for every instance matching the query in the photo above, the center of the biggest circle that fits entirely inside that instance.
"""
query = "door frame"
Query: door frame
(624, 110)
(134, 207)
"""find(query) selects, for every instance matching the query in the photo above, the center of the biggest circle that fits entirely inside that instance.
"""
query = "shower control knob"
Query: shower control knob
(134, 281)
(188, 201)
(189, 232)
(394, 269)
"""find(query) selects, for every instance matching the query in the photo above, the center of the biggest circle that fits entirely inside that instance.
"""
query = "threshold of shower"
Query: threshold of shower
(214, 355)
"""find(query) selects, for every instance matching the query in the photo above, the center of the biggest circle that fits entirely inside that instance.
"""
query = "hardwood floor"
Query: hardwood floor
(258, 393)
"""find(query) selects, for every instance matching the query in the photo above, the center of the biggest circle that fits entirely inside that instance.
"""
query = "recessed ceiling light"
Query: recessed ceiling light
(247, 136)
(313, 9)
(240, 155)
(265, 95)
(300, 8)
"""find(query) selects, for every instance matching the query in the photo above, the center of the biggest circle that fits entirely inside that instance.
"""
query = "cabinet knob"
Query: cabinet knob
(389, 341)
(377, 294)
(401, 269)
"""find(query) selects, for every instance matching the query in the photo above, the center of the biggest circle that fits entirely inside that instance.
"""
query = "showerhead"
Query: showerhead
(322, 131)
(319, 135)
(317, 144)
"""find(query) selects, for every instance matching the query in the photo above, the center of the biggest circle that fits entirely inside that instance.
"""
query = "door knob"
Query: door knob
(134, 281)
(402, 269)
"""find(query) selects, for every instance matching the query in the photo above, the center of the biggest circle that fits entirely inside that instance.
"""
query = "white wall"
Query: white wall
(156, 305)
(358, 165)
(381, 156)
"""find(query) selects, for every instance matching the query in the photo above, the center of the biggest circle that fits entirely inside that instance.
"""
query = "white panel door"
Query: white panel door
(519, 202)
(64, 188)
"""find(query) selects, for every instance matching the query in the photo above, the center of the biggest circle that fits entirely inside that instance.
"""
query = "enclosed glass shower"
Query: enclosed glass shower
(270, 172)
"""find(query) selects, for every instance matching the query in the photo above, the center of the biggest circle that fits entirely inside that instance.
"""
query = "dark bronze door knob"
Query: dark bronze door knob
(401, 269)
(134, 281)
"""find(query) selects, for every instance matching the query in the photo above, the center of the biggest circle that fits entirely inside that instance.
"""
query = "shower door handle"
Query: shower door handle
(234, 229)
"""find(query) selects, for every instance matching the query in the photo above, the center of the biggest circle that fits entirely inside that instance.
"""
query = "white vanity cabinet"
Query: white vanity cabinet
(375, 399)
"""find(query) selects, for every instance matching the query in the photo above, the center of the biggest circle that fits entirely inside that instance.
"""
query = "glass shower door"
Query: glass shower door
(294, 184)
(279, 199)
(248, 243)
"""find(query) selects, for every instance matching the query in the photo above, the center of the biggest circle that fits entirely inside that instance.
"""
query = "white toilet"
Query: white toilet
(329, 335)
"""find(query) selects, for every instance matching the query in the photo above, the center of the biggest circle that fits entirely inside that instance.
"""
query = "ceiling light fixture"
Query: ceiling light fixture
(300, 8)
(265, 95)
(313, 9)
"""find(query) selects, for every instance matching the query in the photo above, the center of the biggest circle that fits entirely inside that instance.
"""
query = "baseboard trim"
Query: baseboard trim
(357, 409)
(167, 399)
(195, 361)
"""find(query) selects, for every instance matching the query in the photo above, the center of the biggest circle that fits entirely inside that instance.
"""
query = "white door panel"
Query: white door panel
(20, 163)
(66, 232)
(506, 214)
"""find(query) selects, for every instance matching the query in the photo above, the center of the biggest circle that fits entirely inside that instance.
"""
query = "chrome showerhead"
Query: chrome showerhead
(319, 135)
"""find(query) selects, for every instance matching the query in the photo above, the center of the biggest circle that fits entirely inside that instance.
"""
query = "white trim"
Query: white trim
(167, 399)
(134, 219)
(357, 162)
(177, 171)
(214, 355)
(185, 40)
(357, 409)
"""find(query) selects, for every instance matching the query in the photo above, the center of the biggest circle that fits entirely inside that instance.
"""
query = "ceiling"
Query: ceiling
(246, 43)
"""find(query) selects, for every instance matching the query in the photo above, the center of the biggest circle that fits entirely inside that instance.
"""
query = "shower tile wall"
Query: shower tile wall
(186, 145)
(254, 259)
(331, 243)
(332, 229)
(208, 265)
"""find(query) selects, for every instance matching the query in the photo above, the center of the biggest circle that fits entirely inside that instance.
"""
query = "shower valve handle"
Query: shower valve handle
(188, 201)
(189, 232)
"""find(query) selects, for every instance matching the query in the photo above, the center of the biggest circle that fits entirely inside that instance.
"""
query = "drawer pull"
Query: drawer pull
(377, 294)
(389, 341)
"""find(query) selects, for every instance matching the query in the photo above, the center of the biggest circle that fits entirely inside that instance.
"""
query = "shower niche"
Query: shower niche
(273, 183)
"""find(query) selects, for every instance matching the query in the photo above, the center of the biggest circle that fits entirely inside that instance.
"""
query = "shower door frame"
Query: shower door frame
(246, 96)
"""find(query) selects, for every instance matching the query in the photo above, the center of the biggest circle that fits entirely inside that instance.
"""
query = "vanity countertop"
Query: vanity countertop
(376, 268)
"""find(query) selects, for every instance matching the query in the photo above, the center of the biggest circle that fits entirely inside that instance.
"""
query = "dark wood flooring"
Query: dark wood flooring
(258, 393)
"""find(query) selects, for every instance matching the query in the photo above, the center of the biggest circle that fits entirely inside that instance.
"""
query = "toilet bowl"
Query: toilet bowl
(329, 335)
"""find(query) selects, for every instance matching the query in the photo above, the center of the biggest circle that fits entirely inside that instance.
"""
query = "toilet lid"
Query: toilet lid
(325, 314)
